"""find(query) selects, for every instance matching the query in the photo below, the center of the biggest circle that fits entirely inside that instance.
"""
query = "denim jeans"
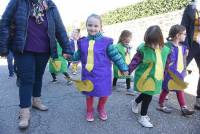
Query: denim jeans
(11, 65)
(30, 69)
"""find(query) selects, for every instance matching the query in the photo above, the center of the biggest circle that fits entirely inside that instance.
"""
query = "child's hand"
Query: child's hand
(67, 56)
(124, 73)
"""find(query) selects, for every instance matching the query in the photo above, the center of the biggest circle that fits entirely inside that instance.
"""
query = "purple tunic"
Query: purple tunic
(101, 75)
(37, 36)
(172, 62)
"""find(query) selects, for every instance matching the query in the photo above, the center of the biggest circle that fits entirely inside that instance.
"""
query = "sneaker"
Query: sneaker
(197, 104)
(185, 111)
(167, 97)
(89, 117)
(147, 117)
(134, 107)
(145, 122)
(37, 103)
(69, 82)
(102, 114)
(11, 76)
(74, 73)
(130, 92)
(54, 81)
(24, 118)
(164, 109)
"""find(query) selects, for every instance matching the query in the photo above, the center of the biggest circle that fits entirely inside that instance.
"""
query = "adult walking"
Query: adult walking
(37, 27)
(191, 20)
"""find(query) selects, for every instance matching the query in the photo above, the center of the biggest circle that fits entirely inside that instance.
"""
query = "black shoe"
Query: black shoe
(11, 76)
(196, 107)
(197, 104)
(186, 111)
(54, 80)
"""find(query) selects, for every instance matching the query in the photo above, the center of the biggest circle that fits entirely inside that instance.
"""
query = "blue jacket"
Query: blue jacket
(17, 13)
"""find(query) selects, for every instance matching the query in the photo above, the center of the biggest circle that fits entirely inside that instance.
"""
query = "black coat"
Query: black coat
(188, 21)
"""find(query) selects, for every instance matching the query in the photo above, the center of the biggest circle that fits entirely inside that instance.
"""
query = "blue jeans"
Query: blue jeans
(11, 65)
(30, 69)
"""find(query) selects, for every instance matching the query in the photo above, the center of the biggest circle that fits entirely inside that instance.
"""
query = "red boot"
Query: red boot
(89, 103)
(101, 110)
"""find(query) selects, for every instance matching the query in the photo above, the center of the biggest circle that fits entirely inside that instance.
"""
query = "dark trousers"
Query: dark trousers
(64, 73)
(11, 64)
(146, 100)
(128, 82)
(30, 67)
(68, 65)
(194, 52)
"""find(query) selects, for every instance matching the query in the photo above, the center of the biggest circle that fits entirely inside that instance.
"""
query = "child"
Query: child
(177, 65)
(96, 53)
(124, 49)
(73, 42)
(149, 62)
(58, 65)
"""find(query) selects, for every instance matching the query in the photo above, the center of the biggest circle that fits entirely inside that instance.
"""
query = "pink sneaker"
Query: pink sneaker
(89, 117)
(102, 114)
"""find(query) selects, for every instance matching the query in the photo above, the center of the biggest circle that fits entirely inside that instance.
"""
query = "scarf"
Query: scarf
(38, 8)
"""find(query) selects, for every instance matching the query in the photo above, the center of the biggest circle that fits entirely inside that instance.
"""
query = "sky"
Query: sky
(75, 11)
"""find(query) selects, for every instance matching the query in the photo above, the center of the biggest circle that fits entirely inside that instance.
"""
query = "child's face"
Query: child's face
(182, 36)
(127, 40)
(75, 35)
(93, 26)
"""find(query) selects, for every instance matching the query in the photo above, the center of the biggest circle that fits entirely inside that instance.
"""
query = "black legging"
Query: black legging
(64, 73)
(128, 82)
(146, 100)
(194, 52)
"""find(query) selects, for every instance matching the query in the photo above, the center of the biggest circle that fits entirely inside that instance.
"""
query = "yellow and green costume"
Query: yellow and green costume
(124, 52)
(150, 71)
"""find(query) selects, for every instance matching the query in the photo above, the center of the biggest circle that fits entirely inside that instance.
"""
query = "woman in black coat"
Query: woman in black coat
(191, 20)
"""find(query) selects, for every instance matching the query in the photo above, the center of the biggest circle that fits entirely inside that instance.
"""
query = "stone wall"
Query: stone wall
(139, 26)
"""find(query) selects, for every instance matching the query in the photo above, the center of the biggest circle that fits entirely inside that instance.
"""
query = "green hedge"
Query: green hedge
(142, 9)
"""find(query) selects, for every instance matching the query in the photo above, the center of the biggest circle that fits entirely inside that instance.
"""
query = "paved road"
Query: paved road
(66, 113)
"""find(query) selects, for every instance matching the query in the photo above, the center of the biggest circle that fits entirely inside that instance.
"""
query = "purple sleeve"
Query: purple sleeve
(136, 60)
(167, 64)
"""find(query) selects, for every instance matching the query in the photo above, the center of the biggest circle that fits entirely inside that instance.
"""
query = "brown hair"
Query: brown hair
(124, 34)
(154, 35)
(174, 30)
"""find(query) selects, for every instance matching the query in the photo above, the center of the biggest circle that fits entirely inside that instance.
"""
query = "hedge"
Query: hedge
(142, 9)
